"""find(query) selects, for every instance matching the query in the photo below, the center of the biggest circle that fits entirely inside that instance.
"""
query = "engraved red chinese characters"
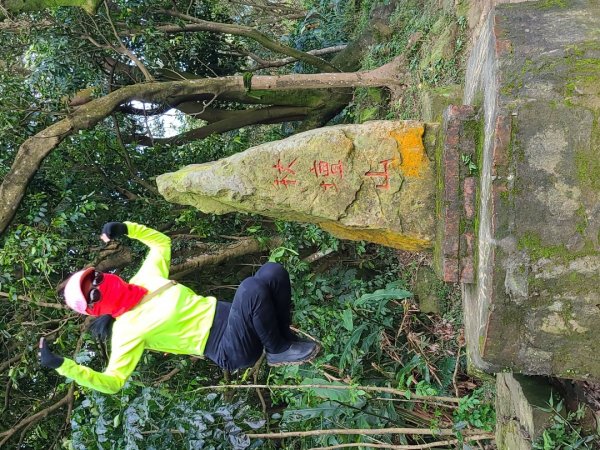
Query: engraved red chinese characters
(287, 169)
(383, 174)
(326, 169)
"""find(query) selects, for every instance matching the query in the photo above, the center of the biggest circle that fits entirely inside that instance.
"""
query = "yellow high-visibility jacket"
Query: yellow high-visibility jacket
(174, 321)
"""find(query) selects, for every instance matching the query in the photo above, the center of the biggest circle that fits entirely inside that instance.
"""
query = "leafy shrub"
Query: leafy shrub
(564, 433)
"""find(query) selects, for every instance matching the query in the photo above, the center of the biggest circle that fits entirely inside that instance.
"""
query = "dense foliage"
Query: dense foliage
(354, 298)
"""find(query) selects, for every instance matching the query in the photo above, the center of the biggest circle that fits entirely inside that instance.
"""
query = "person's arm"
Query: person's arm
(158, 261)
(122, 362)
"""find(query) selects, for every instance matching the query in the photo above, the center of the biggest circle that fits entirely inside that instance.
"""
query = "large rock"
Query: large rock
(371, 182)
(535, 307)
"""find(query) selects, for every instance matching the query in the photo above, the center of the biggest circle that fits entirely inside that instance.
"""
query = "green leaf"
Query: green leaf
(384, 294)
(347, 318)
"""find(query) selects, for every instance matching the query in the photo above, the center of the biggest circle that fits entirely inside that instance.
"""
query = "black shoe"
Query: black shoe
(298, 353)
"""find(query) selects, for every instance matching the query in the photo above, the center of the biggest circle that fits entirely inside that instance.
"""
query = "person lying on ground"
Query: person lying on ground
(152, 312)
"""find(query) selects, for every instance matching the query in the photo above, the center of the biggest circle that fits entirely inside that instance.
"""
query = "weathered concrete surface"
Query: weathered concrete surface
(519, 419)
(536, 305)
(371, 182)
(426, 289)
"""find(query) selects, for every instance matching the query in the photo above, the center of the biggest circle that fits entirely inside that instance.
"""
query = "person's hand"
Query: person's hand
(112, 230)
(47, 358)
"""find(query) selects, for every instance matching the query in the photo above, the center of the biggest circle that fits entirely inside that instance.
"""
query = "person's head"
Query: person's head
(82, 290)
(95, 293)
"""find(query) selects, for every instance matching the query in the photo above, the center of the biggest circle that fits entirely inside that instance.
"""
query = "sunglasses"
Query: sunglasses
(95, 295)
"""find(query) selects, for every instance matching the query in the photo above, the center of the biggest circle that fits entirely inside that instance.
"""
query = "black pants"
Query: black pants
(259, 317)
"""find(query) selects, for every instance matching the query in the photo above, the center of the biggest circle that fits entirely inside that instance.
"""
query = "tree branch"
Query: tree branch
(261, 38)
(6, 364)
(236, 120)
(475, 437)
(243, 247)
(407, 394)
(367, 431)
(267, 64)
(124, 50)
(127, 159)
(27, 299)
(6, 435)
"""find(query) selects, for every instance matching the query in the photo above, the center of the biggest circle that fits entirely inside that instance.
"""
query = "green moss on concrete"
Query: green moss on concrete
(582, 224)
(439, 206)
(588, 168)
(532, 243)
(583, 64)
(550, 4)
(475, 372)
(515, 80)
(435, 100)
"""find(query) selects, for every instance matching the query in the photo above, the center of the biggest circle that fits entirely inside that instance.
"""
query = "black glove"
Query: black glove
(114, 230)
(47, 358)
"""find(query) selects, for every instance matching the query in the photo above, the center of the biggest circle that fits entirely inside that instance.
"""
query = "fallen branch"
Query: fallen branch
(455, 373)
(409, 395)
(6, 364)
(477, 437)
(27, 299)
(255, 371)
(364, 431)
(240, 248)
(318, 255)
(444, 405)
(6, 435)
(173, 372)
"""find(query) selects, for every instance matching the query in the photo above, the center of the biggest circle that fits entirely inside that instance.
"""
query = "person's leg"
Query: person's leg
(214, 348)
(253, 300)
(252, 324)
(278, 281)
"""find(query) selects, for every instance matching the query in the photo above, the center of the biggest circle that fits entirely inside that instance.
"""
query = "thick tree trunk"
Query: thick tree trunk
(33, 151)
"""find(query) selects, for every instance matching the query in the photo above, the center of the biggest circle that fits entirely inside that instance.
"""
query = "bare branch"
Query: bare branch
(27, 299)
(124, 50)
(267, 64)
(475, 437)
(318, 255)
(369, 431)
(128, 162)
(6, 435)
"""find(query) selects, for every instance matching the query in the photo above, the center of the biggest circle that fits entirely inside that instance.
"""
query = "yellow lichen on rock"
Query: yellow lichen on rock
(383, 237)
(414, 161)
